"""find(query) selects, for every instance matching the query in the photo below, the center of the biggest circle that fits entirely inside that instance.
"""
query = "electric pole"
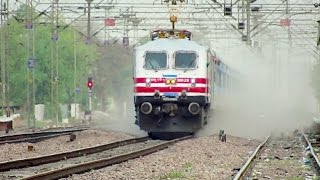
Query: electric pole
(75, 73)
(106, 16)
(54, 61)
(30, 26)
(287, 63)
(289, 24)
(4, 53)
(243, 10)
(89, 21)
(89, 42)
(248, 22)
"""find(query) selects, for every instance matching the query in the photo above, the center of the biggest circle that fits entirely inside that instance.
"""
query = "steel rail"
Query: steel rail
(316, 162)
(75, 126)
(84, 167)
(247, 165)
(35, 161)
(37, 134)
(34, 139)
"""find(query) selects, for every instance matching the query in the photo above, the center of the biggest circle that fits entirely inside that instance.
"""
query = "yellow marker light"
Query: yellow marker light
(162, 35)
(173, 18)
(182, 35)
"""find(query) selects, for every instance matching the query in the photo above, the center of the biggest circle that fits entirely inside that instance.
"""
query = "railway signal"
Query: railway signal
(90, 83)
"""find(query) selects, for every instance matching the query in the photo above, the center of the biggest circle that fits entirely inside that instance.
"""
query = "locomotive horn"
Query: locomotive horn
(194, 108)
(146, 108)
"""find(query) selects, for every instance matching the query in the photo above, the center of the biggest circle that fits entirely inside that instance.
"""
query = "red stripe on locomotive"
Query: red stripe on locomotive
(170, 89)
(178, 80)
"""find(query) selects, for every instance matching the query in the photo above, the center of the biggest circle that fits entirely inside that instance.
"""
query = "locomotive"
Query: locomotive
(173, 83)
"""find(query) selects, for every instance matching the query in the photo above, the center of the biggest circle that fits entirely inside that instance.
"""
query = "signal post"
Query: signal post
(90, 86)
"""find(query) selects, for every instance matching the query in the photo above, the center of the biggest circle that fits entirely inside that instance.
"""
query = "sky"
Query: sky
(196, 18)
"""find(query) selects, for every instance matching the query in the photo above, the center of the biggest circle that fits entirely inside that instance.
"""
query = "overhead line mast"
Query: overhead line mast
(4, 53)
(54, 61)
(30, 26)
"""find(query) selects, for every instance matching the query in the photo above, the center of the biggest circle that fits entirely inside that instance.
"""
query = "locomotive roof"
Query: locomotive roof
(171, 44)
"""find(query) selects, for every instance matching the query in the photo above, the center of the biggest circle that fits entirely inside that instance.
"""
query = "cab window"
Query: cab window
(185, 60)
(155, 60)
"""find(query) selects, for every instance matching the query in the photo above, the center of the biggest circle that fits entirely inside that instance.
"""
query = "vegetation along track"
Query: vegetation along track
(83, 160)
(38, 136)
(277, 158)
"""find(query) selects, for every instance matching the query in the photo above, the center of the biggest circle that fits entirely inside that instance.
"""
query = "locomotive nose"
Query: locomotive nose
(146, 108)
(194, 108)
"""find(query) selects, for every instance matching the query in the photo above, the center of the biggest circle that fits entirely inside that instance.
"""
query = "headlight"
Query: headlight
(173, 81)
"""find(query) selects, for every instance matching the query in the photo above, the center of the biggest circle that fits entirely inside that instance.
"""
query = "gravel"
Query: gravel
(198, 158)
(60, 144)
(73, 161)
(283, 159)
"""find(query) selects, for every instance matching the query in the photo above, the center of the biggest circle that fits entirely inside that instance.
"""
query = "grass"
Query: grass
(45, 124)
(173, 175)
(187, 167)
(42, 124)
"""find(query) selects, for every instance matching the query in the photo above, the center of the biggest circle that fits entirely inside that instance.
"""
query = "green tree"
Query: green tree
(18, 55)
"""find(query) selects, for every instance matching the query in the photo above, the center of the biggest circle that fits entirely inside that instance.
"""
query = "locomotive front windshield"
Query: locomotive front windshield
(156, 60)
(185, 60)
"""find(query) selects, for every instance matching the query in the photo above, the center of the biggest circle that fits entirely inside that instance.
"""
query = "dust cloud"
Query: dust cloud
(120, 116)
(272, 94)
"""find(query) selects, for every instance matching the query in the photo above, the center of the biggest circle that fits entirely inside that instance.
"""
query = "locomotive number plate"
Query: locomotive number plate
(169, 99)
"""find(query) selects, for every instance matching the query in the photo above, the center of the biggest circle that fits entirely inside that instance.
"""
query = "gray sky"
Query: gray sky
(198, 16)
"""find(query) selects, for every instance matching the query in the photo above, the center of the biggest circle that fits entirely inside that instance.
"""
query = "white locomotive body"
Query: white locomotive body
(173, 84)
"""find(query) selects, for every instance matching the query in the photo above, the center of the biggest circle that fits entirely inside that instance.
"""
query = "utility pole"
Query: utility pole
(89, 21)
(289, 24)
(126, 16)
(4, 52)
(27, 21)
(54, 61)
(75, 73)
(33, 69)
(248, 22)
(135, 23)
(287, 62)
(2, 57)
(30, 25)
(243, 10)
(106, 15)
(89, 42)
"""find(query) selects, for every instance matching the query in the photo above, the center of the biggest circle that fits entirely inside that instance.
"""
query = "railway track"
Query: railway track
(278, 158)
(313, 147)
(38, 136)
(62, 165)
